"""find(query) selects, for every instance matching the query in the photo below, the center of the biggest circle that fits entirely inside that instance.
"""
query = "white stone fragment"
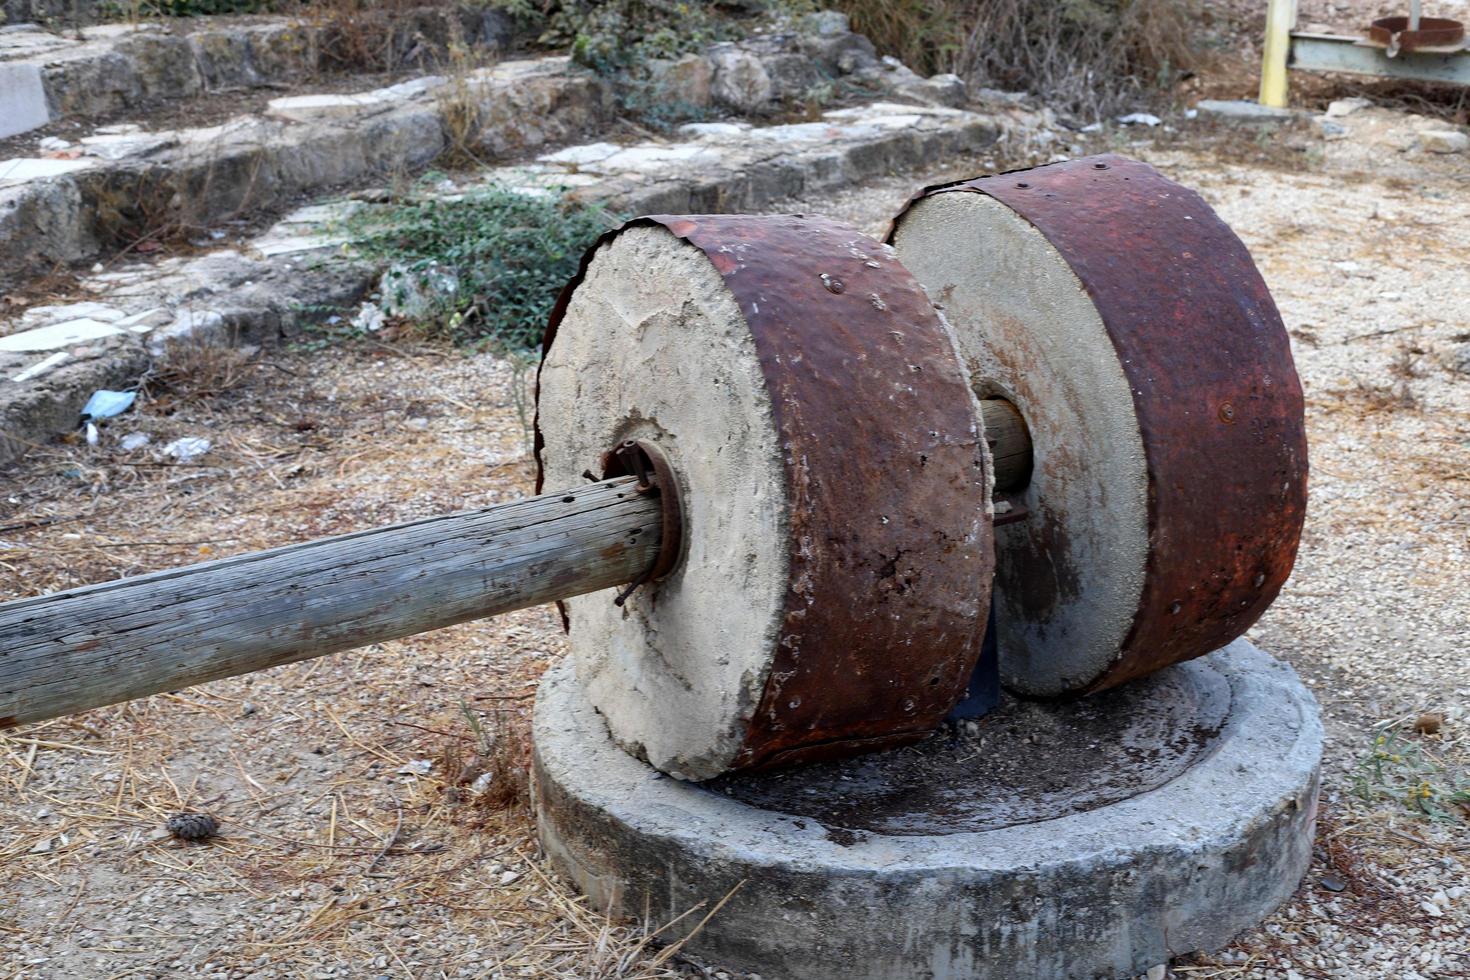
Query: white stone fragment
(578, 155)
(653, 158)
(877, 109)
(147, 320)
(1444, 141)
(59, 335)
(120, 146)
(187, 448)
(71, 311)
(22, 169)
(320, 213)
(42, 366)
(272, 244)
(1345, 107)
(714, 129)
(405, 91)
(305, 108)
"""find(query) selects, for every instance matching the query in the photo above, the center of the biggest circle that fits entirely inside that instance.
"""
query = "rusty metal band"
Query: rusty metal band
(656, 475)
(1433, 32)
(1216, 394)
(889, 548)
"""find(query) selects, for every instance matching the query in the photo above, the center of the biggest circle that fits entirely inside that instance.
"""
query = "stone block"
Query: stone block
(689, 80)
(740, 80)
(22, 98)
(1244, 111)
(841, 54)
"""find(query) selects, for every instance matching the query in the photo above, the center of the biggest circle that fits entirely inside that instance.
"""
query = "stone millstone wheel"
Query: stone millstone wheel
(1130, 327)
(837, 556)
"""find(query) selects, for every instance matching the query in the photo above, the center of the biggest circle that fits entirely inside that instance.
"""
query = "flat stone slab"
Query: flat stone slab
(22, 99)
(1244, 111)
(1093, 838)
(23, 169)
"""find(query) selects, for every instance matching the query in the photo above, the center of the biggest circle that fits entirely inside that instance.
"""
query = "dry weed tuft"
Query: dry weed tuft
(488, 769)
(195, 369)
(459, 108)
(1083, 56)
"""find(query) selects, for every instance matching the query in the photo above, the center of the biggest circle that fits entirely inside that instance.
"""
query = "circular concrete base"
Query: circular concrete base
(1085, 839)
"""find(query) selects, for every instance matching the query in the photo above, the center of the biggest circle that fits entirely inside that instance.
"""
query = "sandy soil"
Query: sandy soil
(353, 842)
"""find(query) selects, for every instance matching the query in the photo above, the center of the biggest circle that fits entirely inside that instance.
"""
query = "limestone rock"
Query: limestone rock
(740, 79)
(166, 68)
(496, 29)
(825, 23)
(688, 80)
(940, 90)
(793, 76)
(1444, 141)
(841, 54)
(1345, 107)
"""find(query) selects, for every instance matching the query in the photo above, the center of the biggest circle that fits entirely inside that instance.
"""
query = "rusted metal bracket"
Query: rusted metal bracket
(642, 459)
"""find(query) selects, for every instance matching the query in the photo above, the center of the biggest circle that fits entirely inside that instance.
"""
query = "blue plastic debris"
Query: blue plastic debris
(105, 404)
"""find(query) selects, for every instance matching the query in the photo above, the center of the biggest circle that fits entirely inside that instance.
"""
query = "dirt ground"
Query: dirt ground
(354, 840)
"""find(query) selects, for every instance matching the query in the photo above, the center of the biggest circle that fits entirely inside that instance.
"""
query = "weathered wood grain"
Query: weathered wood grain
(105, 643)
(1009, 441)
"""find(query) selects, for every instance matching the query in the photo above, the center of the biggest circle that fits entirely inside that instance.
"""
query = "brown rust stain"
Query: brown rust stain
(1217, 396)
(871, 652)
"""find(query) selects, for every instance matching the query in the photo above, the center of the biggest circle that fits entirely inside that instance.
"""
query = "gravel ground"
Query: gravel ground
(354, 840)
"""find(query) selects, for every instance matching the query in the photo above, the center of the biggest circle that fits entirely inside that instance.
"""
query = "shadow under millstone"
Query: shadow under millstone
(1024, 762)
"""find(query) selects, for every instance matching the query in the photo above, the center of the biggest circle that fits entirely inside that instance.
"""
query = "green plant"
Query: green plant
(507, 255)
(617, 36)
(1398, 769)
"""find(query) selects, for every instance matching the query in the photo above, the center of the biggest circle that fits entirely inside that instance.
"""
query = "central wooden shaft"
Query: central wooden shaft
(106, 643)
(1010, 444)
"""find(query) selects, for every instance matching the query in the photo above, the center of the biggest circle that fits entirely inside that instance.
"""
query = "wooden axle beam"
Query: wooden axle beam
(101, 644)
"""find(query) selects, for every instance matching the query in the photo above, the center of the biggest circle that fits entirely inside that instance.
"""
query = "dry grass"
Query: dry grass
(197, 368)
(1089, 57)
(460, 114)
(353, 836)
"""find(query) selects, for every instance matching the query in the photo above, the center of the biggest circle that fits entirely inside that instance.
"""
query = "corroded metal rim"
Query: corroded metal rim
(1217, 397)
(1433, 32)
(889, 546)
(644, 459)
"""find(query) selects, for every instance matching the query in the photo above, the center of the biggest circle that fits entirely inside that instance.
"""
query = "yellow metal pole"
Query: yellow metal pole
(1280, 19)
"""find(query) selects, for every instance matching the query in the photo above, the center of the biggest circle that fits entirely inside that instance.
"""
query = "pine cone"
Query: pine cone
(192, 826)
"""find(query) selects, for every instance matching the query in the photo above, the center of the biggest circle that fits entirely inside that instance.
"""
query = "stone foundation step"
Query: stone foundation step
(123, 185)
(113, 68)
(127, 184)
(52, 358)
